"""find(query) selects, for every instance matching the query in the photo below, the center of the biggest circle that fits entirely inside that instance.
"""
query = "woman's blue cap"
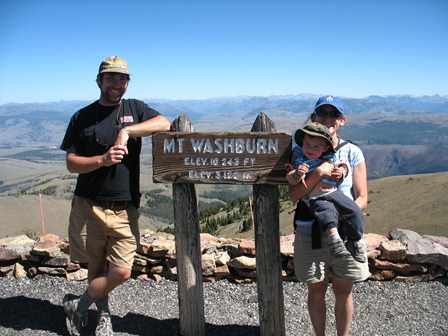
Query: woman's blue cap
(330, 100)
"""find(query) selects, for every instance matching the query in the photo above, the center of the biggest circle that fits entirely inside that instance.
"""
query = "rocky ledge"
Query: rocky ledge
(402, 256)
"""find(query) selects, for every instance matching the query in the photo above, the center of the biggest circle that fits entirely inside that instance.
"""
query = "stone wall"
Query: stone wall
(401, 256)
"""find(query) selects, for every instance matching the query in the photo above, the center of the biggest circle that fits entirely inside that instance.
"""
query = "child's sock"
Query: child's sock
(334, 236)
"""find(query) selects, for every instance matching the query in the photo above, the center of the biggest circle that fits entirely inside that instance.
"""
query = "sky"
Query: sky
(51, 50)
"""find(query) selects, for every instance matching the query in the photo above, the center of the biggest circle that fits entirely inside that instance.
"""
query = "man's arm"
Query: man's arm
(83, 165)
(145, 128)
(78, 164)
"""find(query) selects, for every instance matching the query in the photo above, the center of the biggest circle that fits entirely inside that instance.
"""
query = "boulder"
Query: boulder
(404, 236)
(427, 251)
(437, 239)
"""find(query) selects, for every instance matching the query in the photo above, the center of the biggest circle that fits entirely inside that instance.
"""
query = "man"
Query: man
(102, 145)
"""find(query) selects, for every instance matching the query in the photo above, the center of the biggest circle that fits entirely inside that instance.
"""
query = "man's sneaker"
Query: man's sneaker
(104, 327)
(337, 248)
(358, 249)
(75, 323)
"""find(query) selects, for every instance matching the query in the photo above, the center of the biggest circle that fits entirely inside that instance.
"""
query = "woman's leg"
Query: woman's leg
(316, 306)
(343, 309)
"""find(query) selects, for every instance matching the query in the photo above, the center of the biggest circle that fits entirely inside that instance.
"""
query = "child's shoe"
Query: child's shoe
(358, 249)
(338, 249)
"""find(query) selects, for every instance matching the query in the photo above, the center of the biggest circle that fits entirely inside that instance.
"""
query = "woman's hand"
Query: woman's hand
(325, 170)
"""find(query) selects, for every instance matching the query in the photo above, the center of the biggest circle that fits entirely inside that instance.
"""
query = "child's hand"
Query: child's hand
(303, 169)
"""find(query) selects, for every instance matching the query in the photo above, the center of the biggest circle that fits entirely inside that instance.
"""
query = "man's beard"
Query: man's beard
(113, 98)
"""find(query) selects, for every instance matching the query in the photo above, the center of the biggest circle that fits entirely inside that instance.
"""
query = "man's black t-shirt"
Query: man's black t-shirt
(92, 131)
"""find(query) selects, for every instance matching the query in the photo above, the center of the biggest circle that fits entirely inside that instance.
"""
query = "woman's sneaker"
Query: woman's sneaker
(104, 327)
(358, 249)
(76, 323)
(337, 248)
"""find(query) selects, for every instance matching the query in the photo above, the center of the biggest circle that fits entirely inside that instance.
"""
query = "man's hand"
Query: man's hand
(114, 155)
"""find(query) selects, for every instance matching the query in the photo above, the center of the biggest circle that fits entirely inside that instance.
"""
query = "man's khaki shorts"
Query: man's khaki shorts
(97, 234)
(317, 265)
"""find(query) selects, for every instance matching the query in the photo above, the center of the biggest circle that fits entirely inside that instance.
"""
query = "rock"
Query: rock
(19, 271)
(287, 246)
(243, 262)
(222, 258)
(247, 246)
(427, 251)
(392, 250)
(72, 267)
(373, 254)
(382, 275)
(49, 236)
(7, 255)
(46, 248)
(161, 247)
(399, 267)
(222, 271)
(208, 264)
(16, 241)
(419, 278)
(52, 270)
(374, 240)
(156, 269)
(79, 275)
(423, 259)
(61, 260)
(208, 242)
(144, 248)
(437, 239)
(7, 270)
(230, 246)
(404, 236)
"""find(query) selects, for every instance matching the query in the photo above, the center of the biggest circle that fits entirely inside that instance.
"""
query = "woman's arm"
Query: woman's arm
(360, 185)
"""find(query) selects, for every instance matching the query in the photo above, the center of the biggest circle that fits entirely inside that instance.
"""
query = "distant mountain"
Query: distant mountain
(398, 134)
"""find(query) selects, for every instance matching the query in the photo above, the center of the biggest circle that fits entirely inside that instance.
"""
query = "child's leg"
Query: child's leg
(327, 216)
(353, 225)
(351, 214)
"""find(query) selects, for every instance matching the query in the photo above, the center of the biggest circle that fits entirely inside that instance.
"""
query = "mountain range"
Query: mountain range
(398, 134)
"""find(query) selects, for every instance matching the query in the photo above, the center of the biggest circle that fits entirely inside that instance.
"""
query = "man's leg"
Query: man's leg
(343, 306)
(104, 282)
(316, 306)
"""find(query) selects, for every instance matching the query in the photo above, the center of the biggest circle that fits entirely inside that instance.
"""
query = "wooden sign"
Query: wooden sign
(221, 158)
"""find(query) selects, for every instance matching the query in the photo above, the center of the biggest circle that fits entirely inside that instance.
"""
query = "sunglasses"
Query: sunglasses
(328, 113)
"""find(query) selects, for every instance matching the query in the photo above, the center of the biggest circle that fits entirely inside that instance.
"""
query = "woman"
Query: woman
(312, 260)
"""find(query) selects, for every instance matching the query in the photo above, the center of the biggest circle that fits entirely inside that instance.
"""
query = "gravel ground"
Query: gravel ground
(33, 307)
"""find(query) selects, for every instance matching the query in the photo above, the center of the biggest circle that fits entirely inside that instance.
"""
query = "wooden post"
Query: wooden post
(267, 244)
(189, 268)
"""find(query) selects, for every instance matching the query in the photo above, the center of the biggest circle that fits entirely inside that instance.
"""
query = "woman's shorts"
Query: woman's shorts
(97, 234)
(315, 265)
